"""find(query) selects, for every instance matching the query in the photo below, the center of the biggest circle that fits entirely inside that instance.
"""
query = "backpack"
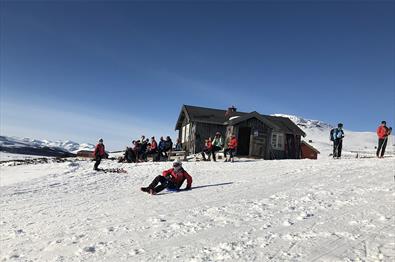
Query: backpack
(333, 130)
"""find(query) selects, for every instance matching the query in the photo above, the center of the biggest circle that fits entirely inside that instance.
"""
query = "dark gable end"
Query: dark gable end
(253, 114)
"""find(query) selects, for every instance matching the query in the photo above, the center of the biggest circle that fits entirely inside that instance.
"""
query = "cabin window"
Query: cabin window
(278, 141)
(185, 133)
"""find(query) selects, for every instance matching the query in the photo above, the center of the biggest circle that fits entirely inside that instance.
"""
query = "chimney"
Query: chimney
(230, 112)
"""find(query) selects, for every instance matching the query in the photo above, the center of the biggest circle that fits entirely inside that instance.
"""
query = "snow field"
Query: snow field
(288, 210)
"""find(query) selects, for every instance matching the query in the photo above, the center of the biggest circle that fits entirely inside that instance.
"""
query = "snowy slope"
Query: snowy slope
(288, 210)
(36, 146)
(318, 132)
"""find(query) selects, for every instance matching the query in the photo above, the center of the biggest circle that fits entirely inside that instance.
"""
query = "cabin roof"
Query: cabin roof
(310, 146)
(217, 116)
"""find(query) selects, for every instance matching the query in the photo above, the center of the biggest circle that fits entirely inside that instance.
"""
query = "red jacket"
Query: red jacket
(99, 151)
(178, 178)
(209, 145)
(382, 132)
(154, 145)
(232, 143)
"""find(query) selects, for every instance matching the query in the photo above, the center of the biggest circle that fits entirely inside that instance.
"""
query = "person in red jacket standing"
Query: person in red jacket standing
(231, 150)
(172, 179)
(98, 154)
(382, 132)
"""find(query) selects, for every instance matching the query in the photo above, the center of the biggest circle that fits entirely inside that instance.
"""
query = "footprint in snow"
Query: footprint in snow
(90, 249)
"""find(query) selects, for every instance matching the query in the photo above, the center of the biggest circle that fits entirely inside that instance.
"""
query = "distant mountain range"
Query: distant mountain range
(41, 147)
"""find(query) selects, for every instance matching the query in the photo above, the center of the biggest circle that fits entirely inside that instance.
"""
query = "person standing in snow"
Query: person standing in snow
(382, 132)
(231, 150)
(172, 179)
(338, 135)
(218, 143)
(98, 154)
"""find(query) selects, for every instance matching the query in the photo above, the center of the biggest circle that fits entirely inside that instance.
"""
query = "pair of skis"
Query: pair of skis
(113, 170)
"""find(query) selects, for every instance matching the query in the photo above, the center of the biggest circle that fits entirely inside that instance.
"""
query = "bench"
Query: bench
(176, 154)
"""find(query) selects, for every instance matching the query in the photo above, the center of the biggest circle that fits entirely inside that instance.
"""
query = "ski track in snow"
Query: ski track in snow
(289, 210)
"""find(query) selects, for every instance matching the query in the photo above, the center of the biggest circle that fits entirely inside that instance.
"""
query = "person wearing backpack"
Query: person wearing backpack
(337, 135)
(382, 132)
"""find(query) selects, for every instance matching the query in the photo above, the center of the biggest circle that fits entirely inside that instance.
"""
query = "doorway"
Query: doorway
(243, 148)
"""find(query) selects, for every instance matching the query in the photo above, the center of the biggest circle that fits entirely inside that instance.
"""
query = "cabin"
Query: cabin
(308, 151)
(259, 136)
(85, 153)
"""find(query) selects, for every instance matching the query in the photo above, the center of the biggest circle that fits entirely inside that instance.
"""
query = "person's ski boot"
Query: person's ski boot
(145, 189)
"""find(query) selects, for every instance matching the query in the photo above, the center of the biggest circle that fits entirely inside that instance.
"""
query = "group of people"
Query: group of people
(139, 151)
(337, 135)
(212, 146)
(143, 148)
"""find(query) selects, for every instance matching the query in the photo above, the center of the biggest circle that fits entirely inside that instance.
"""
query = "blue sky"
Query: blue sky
(82, 70)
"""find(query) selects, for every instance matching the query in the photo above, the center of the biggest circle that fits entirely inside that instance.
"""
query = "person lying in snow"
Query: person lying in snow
(172, 179)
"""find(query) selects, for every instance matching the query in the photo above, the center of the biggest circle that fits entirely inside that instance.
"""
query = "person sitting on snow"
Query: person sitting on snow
(99, 154)
(161, 148)
(207, 149)
(172, 179)
(178, 146)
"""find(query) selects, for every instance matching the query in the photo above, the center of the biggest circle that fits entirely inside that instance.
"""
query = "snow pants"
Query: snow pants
(97, 163)
(164, 183)
(230, 151)
(381, 147)
(337, 147)
(214, 150)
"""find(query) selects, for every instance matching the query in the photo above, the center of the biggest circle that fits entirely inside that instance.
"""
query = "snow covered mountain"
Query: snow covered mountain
(317, 134)
(41, 147)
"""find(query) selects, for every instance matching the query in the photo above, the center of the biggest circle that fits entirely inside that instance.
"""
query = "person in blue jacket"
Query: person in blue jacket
(338, 136)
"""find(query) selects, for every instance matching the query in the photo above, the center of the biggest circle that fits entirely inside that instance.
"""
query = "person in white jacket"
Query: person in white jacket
(218, 144)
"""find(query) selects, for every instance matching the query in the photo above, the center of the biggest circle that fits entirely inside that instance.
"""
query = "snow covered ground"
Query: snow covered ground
(285, 210)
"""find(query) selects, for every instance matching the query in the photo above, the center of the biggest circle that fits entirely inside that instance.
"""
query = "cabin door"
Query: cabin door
(243, 147)
(258, 146)
(290, 147)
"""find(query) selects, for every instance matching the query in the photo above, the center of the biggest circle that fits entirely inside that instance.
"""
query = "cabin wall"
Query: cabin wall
(307, 152)
(203, 131)
(291, 150)
(257, 143)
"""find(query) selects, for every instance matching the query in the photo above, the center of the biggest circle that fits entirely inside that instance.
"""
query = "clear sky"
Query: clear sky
(82, 70)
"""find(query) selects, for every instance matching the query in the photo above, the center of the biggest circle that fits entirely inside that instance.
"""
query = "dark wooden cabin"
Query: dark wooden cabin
(259, 136)
(85, 153)
(308, 151)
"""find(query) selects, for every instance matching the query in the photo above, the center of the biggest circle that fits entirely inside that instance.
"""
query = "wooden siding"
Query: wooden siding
(203, 131)
(259, 136)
